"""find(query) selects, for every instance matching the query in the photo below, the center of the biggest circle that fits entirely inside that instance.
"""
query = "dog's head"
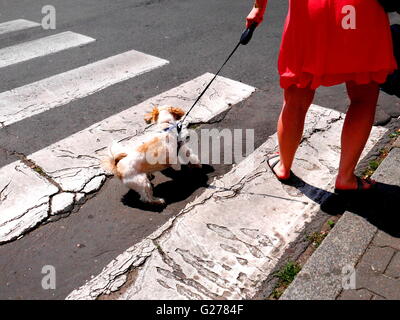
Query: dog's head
(164, 114)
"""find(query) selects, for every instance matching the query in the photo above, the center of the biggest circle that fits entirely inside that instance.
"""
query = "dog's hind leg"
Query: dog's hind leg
(141, 184)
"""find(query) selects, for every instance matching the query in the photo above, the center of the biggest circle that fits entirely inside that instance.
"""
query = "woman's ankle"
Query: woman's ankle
(281, 171)
(348, 181)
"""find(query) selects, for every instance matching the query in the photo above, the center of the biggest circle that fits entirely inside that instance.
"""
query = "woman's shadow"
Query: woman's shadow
(182, 185)
(381, 207)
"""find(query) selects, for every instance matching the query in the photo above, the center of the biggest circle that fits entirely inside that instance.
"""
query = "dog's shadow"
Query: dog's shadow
(182, 185)
(380, 207)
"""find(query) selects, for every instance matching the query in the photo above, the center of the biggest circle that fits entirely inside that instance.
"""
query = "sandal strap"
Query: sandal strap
(370, 181)
(360, 184)
(274, 163)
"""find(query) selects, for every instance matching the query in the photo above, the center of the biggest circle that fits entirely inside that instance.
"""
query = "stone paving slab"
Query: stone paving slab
(361, 294)
(24, 200)
(226, 242)
(382, 239)
(377, 258)
(354, 242)
(393, 268)
(375, 279)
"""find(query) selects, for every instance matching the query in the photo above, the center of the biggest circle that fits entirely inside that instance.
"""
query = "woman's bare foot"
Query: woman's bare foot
(278, 169)
(353, 183)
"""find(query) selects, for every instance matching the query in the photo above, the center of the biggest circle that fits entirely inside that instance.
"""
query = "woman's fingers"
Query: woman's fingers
(256, 15)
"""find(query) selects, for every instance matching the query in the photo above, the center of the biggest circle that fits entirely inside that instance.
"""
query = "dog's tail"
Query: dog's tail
(115, 154)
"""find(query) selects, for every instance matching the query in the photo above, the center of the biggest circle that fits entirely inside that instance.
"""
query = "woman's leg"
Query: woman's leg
(356, 130)
(291, 125)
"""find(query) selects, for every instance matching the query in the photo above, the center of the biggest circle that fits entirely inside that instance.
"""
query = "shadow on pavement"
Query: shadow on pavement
(380, 207)
(182, 185)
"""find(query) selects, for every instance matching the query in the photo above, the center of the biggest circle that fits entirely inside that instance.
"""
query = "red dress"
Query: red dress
(317, 50)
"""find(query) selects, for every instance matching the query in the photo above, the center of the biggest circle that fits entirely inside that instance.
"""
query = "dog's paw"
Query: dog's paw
(195, 165)
(176, 167)
(158, 201)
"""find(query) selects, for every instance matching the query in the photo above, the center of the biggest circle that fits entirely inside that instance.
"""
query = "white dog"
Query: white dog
(133, 164)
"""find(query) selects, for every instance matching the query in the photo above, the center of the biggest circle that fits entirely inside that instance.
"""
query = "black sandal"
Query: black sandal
(360, 188)
(273, 165)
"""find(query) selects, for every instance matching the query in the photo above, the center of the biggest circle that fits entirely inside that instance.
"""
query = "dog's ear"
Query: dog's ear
(151, 116)
(176, 112)
(148, 117)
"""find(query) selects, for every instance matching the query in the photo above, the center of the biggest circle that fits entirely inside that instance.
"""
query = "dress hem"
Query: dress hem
(306, 79)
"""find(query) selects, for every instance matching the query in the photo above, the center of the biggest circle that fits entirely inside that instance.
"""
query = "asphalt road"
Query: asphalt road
(196, 37)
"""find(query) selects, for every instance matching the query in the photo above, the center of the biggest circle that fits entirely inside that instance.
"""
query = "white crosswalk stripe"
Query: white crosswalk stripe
(63, 88)
(73, 163)
(17, 25)
(41, 47)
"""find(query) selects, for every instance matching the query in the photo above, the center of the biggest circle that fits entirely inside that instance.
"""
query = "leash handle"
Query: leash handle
(247, 34)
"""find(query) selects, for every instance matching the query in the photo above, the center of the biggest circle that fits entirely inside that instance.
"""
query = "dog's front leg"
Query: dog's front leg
(189, 157)
(150, 176)
(176, 166)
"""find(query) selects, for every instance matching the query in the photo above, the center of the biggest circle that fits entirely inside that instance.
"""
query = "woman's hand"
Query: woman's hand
(256, 15)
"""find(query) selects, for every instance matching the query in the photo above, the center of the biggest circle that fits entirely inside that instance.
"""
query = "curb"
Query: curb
(323, 274)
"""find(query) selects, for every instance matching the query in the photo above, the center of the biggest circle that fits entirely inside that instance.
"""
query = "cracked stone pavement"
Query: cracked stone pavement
(21, 205)
(225, 243)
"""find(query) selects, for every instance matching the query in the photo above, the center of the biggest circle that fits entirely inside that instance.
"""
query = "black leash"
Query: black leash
(244, 39)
